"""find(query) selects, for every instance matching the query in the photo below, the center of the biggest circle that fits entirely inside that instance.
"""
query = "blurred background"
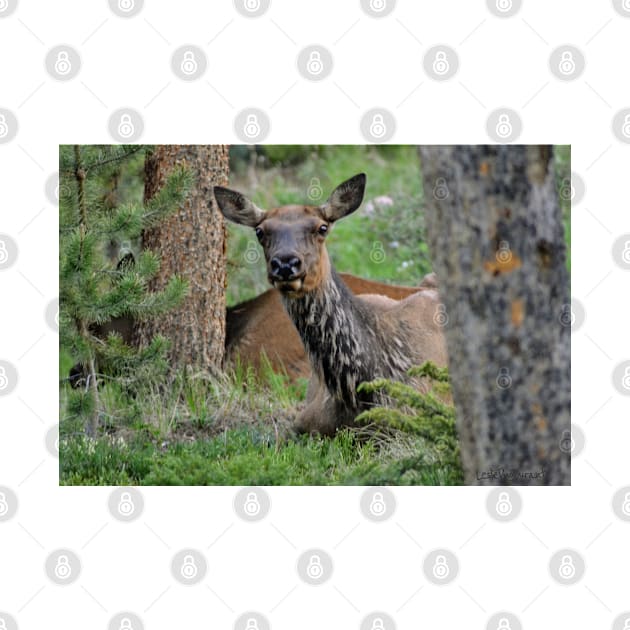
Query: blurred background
(384, 240)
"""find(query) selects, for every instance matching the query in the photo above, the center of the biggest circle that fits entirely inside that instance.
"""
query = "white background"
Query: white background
(377, 63)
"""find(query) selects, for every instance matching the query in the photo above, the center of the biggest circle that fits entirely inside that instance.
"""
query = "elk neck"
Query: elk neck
(344, 339)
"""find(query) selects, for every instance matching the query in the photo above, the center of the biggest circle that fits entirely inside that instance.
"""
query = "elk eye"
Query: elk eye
(259, 233)
(322, 229)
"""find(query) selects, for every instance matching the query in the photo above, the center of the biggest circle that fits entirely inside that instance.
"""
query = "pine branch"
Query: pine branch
(120, 153)
(406, 409)
(96, 288)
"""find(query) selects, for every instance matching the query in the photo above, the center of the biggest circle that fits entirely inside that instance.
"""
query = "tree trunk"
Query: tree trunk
(497, 241)
(191, 243)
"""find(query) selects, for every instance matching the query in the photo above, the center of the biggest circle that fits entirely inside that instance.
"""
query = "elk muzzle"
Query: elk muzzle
(286, 272)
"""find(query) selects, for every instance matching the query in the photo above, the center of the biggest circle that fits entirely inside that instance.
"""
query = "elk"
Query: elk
(348, 339)
(258, 327)
(261, 327)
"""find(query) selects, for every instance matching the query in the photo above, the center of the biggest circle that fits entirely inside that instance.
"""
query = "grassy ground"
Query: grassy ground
(248, 456)
(236, 431)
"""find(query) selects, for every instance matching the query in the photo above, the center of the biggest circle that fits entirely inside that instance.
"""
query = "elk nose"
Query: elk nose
(285, 267)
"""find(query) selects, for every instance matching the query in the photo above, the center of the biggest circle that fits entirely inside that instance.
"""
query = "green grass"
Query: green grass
(251, 457)
(235, 431)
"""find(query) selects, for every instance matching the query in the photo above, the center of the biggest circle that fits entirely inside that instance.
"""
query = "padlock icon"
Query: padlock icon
(252, 504)
(378, 624)
(62, 569)
(126, 5)
(626, 623)
(567, 191)
(504, 504)
(3, 623)
(4, 5)
(567, 568)
(441, 569)
(625, 255)
(377, 505)
(377, 127)
(4, 506)
(625, 129)
(567, 443)
(504, 380)
(626, 7)
(440, 190)
(567, 316)
(62, 64)
(440, 317)
(377, 254)
(189, 569)
(567, 63)
(4, 380)
(314, 570)
(252, 5)
(125, 624)
(252, 253)
(625, 506)
(504, 126)
(4, 128)
(504, 255)
(189, 63)
(252, 624)
(377, 5)
(314, 64)
(626, 378)
(125, 126)
(315, 191)
(252, 126)
(504, 5)
(440, 63)
(504, 624)
(4, 254)
(126, 506)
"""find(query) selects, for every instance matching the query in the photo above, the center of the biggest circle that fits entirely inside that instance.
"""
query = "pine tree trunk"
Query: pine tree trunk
(191, 243)
(497, 241)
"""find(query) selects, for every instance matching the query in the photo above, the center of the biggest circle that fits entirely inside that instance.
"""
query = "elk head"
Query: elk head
(293, 237)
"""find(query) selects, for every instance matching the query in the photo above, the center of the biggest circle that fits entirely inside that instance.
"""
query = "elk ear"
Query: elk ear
(346, 198)
(238, 208)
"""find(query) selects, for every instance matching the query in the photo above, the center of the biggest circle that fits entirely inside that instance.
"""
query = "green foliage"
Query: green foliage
(235, 431)
(104, 461)
(101, 214)
(248, 456)
(410, 411)
(562, 164)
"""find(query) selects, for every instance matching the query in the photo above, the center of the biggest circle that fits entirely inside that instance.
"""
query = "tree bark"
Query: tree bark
(191, 243)
(497, 241)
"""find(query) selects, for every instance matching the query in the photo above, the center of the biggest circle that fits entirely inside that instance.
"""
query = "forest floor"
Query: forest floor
(235, 432)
